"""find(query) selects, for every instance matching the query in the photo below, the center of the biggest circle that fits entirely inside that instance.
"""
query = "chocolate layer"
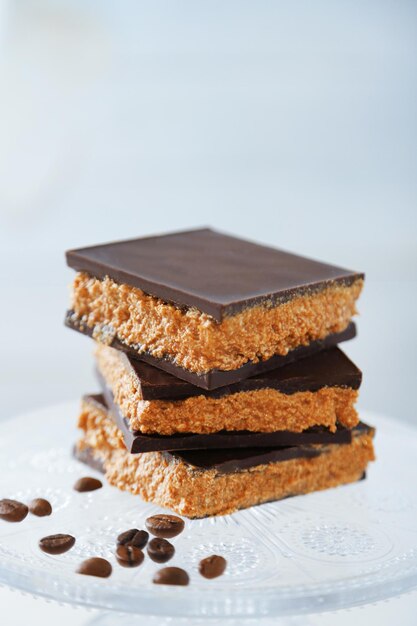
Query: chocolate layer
(136, 442)
(235, 460)
(230, 461)
(218, 274)
(86, 455)
(327, 368)
(214, 379)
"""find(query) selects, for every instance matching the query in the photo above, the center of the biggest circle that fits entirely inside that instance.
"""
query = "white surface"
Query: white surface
(333, 549)
(18, 608)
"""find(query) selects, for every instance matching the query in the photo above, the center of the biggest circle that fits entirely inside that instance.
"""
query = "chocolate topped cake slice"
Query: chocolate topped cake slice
(136, 442)
(198, 483)
(209, 308)
(318, 391)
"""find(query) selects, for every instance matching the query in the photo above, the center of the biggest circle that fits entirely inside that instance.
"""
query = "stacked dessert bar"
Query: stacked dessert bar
(222, 385)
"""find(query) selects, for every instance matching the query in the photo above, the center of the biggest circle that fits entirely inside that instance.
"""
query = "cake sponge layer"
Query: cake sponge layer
(201, 483)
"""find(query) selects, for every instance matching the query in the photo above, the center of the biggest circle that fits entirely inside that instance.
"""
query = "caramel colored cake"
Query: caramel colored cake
(320, 390)
(216, 482)
(221, 382)
(210, 308)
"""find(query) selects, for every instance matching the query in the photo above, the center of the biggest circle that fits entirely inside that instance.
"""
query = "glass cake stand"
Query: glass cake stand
(329, 550)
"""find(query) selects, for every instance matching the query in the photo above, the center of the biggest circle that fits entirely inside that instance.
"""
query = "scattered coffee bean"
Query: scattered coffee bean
(171, 576)
(133, 537)
(166, 526)
(212, 566)
(129, 556)
(56, 544)
(160, 550)
(12, 510)
(95, 567)
(40, 507)
(87, 483)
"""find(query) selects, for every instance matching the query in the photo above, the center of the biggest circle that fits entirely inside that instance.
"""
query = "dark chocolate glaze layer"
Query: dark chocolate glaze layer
(327, 368)
(235, 460)
(214, 378)
(231, 461)
(218, 274)
(137, 442)
(86, 456)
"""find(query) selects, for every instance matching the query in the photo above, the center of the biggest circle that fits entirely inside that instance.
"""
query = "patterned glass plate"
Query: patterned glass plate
(324, 551)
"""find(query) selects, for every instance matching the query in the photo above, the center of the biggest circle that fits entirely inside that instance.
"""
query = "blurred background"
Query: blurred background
(290, 123)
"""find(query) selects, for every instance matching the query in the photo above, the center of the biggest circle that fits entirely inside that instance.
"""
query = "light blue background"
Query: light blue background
(291, 123)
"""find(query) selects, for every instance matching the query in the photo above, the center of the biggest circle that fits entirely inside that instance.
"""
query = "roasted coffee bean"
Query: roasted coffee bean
(171, 576)
(160, 550)
(95, 567)
(129, 556)
(40, 507)
(12, 510)
(56, 544)
(166, 526)
(212, 566)
(87, 483)
(133, 537)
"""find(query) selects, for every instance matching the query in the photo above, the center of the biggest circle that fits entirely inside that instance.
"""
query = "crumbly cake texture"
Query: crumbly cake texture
(195, 341)
(100, 432)
(170, 482)
(263, 410)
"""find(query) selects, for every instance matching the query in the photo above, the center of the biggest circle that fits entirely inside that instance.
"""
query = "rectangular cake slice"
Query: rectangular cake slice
(209, 308)
(201, 483)
(318, 391)
(92, 417)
